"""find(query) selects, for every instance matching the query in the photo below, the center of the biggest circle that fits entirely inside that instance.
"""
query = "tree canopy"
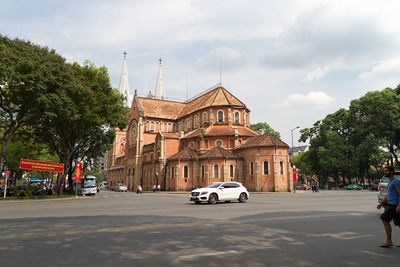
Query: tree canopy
(71, 108)
(351, 143)
(264, 126)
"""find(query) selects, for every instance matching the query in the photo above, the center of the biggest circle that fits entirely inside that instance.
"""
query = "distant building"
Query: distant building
(195, 143)
(293, 151)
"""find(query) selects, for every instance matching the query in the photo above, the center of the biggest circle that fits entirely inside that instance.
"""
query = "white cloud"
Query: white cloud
(312, 100)
(228, 57)
(390, 66)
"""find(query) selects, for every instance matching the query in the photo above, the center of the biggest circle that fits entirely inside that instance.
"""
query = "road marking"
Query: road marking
(207, 254)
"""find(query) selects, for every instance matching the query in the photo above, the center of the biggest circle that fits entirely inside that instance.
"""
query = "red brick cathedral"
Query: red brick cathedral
(181, 145)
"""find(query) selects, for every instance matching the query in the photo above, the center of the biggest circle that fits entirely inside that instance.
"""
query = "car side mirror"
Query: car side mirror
(221, 187)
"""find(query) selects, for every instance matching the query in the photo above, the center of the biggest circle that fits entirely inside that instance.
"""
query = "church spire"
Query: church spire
(160, 85)
(124, 84)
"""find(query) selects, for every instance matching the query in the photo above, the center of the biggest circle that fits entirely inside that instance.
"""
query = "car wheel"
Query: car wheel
(242, 198)
(213, 199)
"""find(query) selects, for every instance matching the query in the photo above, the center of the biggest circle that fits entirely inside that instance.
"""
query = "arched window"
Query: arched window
(245, 119)
(281, 167)
(220, 116)
(266, 167)
(185, 171)
(205, 117)
(218, 142)
(203, 174)
(195, 121)
(231, 170)
(172, 172)
(152, 127)
(237, 114)
(188, 124)
(251, 168)
(216, 171)
(133, 132)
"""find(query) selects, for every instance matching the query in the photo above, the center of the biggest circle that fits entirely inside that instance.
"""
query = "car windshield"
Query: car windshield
(214, 185)
(89, 182)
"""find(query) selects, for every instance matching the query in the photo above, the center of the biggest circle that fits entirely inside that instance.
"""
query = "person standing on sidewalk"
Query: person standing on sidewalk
(392, 209)
(154, 188)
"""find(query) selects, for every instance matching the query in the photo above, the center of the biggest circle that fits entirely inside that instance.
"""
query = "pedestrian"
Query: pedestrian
(194, 187)
(316, 188)
(392, 207)
(159, 188)
(139, 189)
(313, 188)
(154, 188)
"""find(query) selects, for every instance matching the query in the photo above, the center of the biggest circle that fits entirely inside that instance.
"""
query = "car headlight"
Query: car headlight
(203, 193)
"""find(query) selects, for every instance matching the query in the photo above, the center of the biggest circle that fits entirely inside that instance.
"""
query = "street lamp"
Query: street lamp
(291, 131)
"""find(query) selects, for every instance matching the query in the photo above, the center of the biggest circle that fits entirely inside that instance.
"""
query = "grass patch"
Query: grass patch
(34, 197)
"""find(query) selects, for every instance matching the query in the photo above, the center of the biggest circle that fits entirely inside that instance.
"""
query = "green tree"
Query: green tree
(79, 120)
(264, 126)
(378, 113)
(27, 73)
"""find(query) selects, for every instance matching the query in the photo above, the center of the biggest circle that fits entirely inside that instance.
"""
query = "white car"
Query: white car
(220, 191)
(121, 188)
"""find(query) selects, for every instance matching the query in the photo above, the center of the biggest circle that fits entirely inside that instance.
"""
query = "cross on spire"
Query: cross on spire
(125, 53)
(160, 60)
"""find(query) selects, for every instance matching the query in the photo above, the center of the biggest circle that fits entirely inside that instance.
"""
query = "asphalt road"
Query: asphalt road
(125, 229)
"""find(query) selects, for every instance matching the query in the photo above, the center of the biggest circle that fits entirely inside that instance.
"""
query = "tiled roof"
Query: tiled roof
(159, 108)
(220, 130)
(171, 135)
(217, 97)
(186, 153)
(245, 131)
(218, 152)
(194, 133)
(263, 140)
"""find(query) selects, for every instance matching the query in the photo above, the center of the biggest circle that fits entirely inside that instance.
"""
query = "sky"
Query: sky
(292, 62)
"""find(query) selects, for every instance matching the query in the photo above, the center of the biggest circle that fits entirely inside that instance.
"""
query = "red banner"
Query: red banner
(7, 174)
(294, 175)
(35, 165)
(78, 172)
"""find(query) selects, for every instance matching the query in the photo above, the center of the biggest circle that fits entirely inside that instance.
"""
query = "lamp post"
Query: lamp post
(291, 131)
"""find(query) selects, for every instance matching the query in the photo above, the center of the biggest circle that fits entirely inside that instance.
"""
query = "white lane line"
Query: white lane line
(207, 254)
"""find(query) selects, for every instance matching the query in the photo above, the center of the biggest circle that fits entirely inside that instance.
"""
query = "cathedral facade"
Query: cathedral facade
(182, 145)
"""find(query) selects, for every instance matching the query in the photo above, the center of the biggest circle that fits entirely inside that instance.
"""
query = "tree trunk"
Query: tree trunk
(61, 178)
(6, 139)
(70, 180)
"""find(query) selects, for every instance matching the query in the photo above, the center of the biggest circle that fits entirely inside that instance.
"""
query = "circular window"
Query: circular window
(218, 143)
(191, 145)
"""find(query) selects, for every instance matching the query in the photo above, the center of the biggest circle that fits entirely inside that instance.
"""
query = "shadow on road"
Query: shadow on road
(276, 239)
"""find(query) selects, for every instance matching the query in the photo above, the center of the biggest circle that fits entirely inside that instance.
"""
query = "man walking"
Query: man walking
(392, 210)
